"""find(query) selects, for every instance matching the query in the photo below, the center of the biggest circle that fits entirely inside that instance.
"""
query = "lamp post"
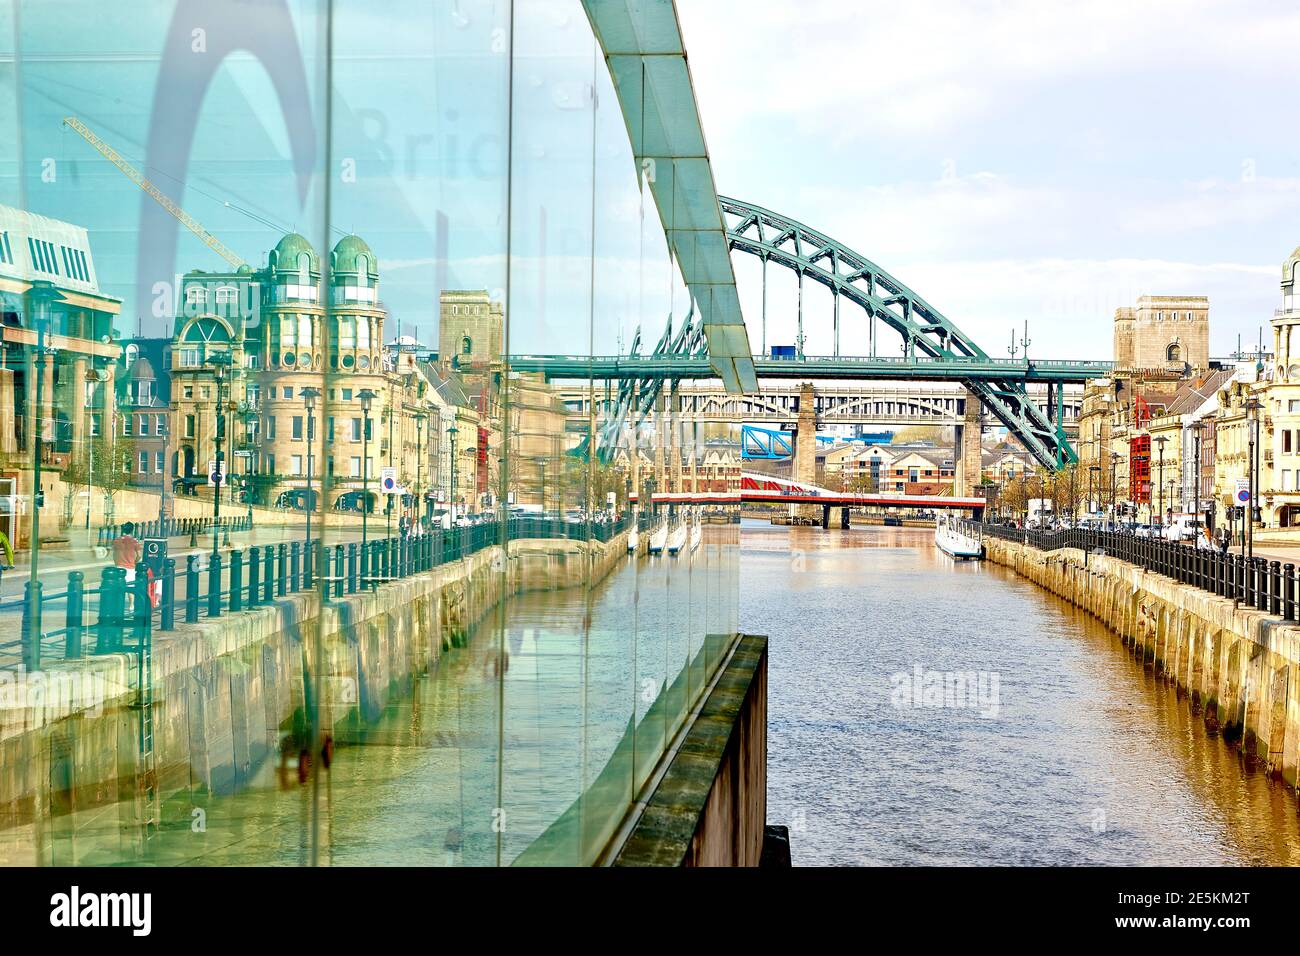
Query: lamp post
(366, 396)
(451, 491)
(92, 378)
(219, 362)
(388, 505)
(309, 396)
(1252, 473)
(1094, 482)
(1160, 480)
(250, 421)
(1197, 507)
(419, 454)
(1114, 487)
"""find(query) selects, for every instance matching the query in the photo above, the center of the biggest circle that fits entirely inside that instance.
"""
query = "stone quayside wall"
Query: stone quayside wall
(1239, 667)
(229, 693)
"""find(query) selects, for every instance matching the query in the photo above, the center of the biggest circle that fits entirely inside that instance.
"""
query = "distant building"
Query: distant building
(1164, 331)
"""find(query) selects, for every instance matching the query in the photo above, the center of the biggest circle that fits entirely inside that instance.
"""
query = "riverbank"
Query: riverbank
(1238, 668)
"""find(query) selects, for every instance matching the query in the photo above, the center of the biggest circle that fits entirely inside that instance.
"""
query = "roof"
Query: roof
(287, 251)
(1197, 391)
(446, 383)
(346, 251)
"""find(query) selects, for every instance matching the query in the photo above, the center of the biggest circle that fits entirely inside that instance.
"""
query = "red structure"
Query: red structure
(1139, 469)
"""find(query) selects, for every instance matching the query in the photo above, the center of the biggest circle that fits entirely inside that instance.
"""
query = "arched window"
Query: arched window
(1174, 353)
(304, 268)
(466, 346)
(363, 270)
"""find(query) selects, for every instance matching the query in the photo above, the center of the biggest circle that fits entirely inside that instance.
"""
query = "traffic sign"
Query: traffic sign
(388, 481)
(1243, 490)
(216, 472)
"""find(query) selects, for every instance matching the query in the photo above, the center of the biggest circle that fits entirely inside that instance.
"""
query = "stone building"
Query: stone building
(1282, 404)
(470, 329)
(269, 322)
(48, 284)
(1164, 331)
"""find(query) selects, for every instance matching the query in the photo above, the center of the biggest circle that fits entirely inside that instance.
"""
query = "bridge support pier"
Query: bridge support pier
(968, 450)
(805, 446)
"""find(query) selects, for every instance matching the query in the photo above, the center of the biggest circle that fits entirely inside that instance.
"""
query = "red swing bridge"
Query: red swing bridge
(768, 489)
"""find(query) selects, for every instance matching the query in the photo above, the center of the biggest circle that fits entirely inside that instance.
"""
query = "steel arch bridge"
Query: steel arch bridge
(924, 330)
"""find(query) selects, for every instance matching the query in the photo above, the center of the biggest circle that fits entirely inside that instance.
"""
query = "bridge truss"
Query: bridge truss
(925, 332)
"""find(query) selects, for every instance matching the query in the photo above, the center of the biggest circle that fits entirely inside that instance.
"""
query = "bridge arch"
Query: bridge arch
(924, 330)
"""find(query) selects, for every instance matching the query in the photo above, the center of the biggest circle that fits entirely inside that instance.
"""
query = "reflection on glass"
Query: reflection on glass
(298, 569)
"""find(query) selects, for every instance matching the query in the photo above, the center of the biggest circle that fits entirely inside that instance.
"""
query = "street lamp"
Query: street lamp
(419, 454)
(1114, 488)
(451, 492)
(1197, 507)
(1160, 480)
(1252, 473)
(220, 362)
(309, 396)
(366, 396)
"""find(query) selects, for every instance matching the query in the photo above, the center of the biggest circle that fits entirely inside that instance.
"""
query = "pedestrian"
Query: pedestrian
(126, 554)
(1224, 541)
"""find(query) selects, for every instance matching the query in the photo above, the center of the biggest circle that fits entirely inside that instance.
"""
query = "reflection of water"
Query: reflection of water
(1090, 759)
(427, 784)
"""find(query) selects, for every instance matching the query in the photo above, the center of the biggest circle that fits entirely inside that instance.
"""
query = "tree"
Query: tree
(100, 464)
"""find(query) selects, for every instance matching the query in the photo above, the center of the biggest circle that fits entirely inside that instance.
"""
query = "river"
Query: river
(1066, 751)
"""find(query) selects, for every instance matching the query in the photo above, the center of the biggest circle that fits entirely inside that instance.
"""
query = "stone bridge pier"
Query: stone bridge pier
(805, 448)
(966, 476)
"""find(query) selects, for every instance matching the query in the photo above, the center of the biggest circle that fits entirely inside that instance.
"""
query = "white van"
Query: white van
(1183, 528)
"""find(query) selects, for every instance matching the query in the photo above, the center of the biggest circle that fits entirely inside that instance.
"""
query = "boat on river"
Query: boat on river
(697, 532)
(954, 540)
(658, 538)
(677, 537)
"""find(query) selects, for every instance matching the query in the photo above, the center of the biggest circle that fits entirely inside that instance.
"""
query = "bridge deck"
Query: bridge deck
(814, 367)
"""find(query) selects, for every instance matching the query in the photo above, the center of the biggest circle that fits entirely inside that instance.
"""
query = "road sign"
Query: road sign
(1243, 490)
(388, 481)
(216, 476)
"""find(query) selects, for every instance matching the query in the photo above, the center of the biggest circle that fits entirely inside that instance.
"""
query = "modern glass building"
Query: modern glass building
(303, 571)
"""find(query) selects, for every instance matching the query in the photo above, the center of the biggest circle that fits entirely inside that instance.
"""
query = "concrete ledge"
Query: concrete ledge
(710, 806)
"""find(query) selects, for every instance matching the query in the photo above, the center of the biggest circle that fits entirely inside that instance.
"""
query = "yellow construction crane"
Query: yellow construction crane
(133, 174)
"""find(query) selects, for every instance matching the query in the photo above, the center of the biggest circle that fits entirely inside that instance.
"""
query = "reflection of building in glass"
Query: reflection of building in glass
(48, 284)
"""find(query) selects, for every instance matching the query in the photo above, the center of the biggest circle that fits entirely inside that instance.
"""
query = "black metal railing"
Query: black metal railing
(113, 615)
(1257, 582)
(174, 527)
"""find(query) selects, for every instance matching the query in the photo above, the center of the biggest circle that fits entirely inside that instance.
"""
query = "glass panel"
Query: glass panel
(216, 234)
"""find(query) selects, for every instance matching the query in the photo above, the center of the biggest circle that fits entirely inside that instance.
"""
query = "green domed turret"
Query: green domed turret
(285, 257)
(352, 256)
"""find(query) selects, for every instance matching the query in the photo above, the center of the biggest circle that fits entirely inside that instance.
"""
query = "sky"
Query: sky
(1014, 161)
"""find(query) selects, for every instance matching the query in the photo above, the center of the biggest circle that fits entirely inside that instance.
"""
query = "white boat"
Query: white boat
(697, 533)
(677, 538)
(658, 538)
(952, 540)
(633, 539)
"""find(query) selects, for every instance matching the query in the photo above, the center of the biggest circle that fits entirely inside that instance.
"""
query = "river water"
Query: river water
(1064, 751)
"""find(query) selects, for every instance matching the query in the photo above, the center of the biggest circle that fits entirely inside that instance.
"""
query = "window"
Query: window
(356, 429)
(6, 253)
(270, 464)
(196, 295)
(270, 427)
(160, 425)
(127, 422)
(144, 425)
(189, 426)
(296, 428)
(1174, 353)
(355, 463)
(466, 345)
(226, 296)
(1286, 479)
(329, 429)
(144, 392)
(158, 461)
(190, 358)
(295, 465)
(347, 332)
(287, 393)
(1286, 441)
(347, 394)
(189, 391)
(144, 462)
(94, 426)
